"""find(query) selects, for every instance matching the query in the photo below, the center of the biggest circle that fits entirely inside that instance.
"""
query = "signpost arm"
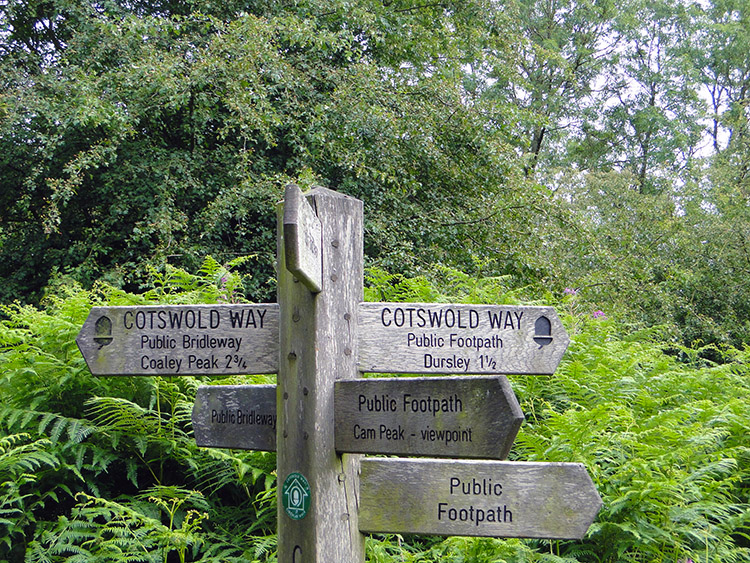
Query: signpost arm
(318, 346)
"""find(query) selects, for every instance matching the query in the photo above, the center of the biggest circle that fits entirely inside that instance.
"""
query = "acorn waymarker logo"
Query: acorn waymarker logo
(103, 331)
(295, 496)
(542, 332)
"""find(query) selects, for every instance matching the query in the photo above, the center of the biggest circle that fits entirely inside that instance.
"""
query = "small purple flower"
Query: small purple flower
(570, 291)
(599, 315)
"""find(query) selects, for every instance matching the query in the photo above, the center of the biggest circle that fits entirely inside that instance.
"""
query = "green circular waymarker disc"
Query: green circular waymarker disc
(295, 496)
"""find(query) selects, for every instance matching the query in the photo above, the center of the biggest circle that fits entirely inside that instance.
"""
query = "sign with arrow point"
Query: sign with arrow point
(472, 417)
(477, 498)
(181, 340)
(453, 338)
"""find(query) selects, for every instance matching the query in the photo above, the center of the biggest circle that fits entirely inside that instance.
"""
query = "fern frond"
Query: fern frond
(17, 458)
(119, 414)
(264, 546)
(210, 269)
(76, 429)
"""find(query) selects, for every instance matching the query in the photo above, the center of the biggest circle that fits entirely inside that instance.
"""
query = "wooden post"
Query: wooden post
(312, 339)
(317, 509)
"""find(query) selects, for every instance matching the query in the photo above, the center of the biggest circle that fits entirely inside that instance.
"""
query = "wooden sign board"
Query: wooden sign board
(477, 498)
(181, 340)
(302, 239)
(316, 338)
(470, 417)
(449, 338)
(235, 416)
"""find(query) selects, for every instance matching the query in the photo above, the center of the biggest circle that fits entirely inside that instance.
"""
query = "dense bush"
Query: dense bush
(106, 469)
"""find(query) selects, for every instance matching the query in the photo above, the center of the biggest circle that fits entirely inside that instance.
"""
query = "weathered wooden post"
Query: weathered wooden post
(319, 339)
(317, 509)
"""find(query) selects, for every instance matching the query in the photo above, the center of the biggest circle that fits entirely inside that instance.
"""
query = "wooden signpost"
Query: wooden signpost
(477, 498)
(468, 417)
(317, 511)
(322, 415)
(181, 340)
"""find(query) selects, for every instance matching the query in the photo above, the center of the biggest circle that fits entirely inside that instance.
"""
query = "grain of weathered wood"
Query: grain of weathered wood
(181, 340)
(322, 333)
(465, 417)
(452, 338)
(235, 416)
(318, 346)
(477, 498)
(302, 239)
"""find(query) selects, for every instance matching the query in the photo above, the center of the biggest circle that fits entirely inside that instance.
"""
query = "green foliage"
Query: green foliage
(106, 469)
(148, 528)
(443, 284)
(20, 463)
(146, 134)
(665, 444)
(665, 441)
(656, 259)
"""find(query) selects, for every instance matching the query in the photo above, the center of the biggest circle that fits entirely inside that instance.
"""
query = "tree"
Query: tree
(152, 133)
(650, 118)
(563, 48)
(723, 60)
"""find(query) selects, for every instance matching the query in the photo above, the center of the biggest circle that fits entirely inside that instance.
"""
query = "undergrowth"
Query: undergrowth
(106, 469)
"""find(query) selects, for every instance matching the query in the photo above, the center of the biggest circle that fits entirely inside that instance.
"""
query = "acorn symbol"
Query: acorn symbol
(103, 331)
(542, 332)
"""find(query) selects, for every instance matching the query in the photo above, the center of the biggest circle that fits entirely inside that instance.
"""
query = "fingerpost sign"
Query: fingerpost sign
(322, 416)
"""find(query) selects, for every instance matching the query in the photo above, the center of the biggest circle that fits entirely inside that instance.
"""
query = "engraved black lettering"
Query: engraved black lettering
(383, 313)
